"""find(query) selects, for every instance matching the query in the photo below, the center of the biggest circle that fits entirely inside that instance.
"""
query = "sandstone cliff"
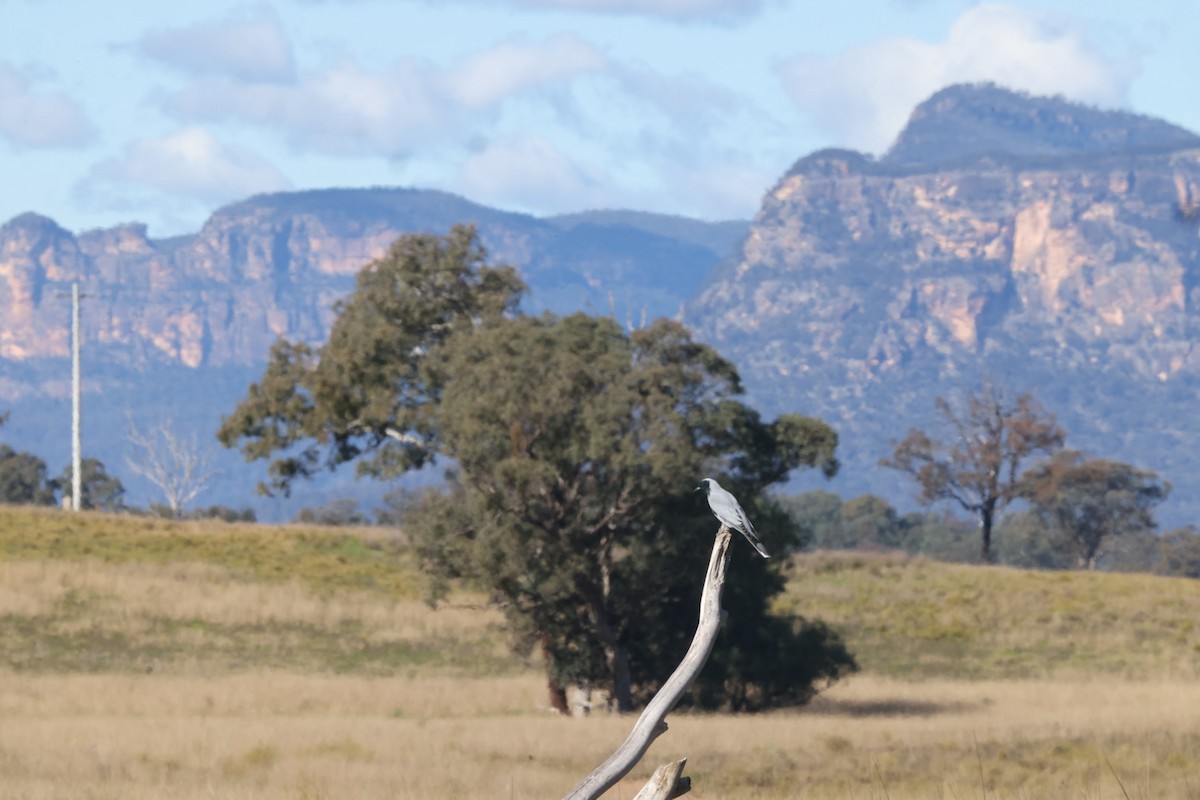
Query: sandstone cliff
(273, 266)
(177, 329)
(1050, 246)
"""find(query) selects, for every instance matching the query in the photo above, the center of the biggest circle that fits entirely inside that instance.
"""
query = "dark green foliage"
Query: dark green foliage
(398, 503)
(342, 511)
(223, 513)
(1179, 553)
(97, 489)
(805, 656)
(869, 519)
(576, 446)
(869, 523)
(1024, 541)
(940, 535)
(817, 516)
(23, 477)
(364, 395)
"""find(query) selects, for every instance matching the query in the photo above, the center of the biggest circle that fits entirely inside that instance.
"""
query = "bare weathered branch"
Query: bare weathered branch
(178, 467)
(666, 783)
(651, 723)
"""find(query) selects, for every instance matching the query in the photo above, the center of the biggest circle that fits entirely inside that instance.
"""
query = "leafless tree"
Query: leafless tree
(176, 465)
(978, 464)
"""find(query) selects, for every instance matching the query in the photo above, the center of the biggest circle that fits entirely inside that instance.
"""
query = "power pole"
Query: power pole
(76, 433)
(76, 390)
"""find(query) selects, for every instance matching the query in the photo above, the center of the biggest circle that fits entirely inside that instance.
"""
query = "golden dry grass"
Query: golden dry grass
(282, 735)
(188, 618)
(144, 659)
(916, 618)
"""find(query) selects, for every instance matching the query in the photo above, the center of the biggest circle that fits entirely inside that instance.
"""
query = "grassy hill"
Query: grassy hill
(107, 593)
(144, 658)
(96, 592)
(912, 618)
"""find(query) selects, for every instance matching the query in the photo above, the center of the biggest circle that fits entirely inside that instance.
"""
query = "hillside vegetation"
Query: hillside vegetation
(108, 593)
(97, 592)
(143, 658)
(912, 618)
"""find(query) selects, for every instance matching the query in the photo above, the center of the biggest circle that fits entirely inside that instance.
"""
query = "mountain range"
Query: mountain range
(1046, 245)
(1040, 244)
(176, 329)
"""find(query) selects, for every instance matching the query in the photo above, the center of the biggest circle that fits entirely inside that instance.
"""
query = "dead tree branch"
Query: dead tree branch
(177, 466)
(651, 724)
(666, 783)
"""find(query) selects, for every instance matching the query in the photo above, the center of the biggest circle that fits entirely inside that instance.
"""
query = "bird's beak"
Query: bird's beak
(698, 488)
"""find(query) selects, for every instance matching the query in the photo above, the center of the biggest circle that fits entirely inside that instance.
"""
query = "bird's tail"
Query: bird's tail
(753, 539)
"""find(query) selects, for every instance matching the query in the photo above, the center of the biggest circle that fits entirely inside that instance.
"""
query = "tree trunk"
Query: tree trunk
(616, 657)
(557, 692)
(986, 516)
(558, 696)
(618, 667)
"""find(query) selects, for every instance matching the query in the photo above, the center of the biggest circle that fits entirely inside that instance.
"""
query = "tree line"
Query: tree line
(176, 467)
(994, 453)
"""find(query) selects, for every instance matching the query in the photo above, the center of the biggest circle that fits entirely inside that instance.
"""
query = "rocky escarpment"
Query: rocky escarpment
(176, 329)
(1061, 258)
(274, 266)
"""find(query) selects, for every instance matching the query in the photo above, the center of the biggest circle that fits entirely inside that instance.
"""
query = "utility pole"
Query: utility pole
(76, 433)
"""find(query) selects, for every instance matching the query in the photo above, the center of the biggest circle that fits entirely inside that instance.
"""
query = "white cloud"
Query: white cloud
(39, 119)
(191, 164)
(528, 172)
(863, 96)
(347, 109)
(342, 110)
(248, 47)
(729, 189)
(715, 11)
(487, 78)
(680, 10)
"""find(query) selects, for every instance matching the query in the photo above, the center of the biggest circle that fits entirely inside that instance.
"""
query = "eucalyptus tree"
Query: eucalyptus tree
(1089, 503)
(573, 448)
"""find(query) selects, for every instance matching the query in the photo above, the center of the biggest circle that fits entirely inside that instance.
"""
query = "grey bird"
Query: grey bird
(725, 507)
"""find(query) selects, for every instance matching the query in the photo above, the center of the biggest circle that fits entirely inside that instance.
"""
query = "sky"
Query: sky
(140, 110)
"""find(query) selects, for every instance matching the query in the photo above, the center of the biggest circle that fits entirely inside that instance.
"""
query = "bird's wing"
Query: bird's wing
(743, 520)
(729, 511)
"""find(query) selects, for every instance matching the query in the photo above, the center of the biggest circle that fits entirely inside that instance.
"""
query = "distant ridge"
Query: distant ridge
(974, 119)
(1047, 244)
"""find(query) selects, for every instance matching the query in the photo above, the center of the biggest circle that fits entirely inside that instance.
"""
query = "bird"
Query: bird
(726, 508)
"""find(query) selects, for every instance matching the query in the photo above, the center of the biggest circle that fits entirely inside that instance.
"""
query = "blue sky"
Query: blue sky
(162, 112)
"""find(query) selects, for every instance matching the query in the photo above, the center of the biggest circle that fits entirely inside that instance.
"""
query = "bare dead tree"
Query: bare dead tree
(978, 464)
(176, 465)
(667, 781)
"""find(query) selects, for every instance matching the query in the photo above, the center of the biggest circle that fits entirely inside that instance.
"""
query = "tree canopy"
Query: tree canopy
(576, 447)
(23, 476)
(364, 395)
(1091, 502)
(98, 489)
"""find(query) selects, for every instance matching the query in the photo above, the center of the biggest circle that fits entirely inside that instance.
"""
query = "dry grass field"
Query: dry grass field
(145, 659)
